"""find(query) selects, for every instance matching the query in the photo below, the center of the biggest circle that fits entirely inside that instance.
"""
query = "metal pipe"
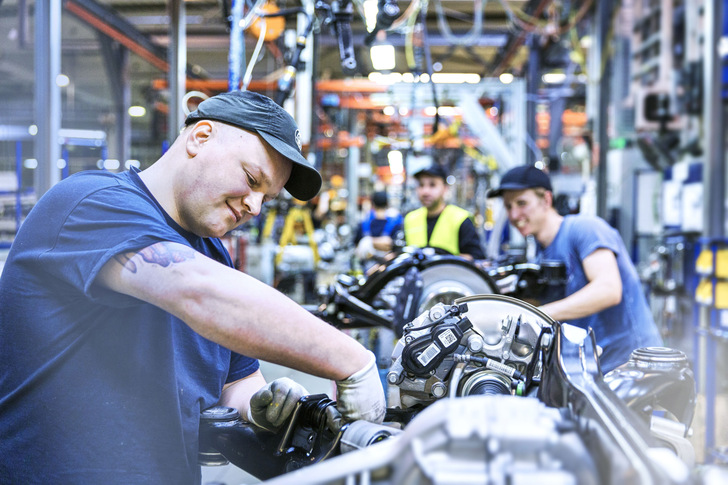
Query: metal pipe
(47, 93)
(177, 67)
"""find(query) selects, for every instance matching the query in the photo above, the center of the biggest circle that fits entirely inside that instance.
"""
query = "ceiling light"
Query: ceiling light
(395, 159)
(137, 111)
(370, 13)
(382, 57)
(506, 78)
(554, 77)
(455, 78)
(389, 110)
(62, 81)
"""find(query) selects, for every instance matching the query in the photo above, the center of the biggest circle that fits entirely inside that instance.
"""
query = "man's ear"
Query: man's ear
(548, 196)
(198, 135)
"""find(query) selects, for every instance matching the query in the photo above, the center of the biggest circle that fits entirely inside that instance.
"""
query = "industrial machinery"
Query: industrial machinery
(490, 389)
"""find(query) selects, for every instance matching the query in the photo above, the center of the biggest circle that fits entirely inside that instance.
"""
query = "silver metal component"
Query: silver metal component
(475, 343)
(492, 447)
(361, 434)
(495, 320)
(439, 390)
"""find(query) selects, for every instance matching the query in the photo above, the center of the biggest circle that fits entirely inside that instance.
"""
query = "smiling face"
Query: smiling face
(230, 174)
(528, 209)
(431, 192)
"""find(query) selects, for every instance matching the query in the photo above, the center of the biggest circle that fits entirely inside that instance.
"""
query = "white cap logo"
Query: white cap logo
(297, 136)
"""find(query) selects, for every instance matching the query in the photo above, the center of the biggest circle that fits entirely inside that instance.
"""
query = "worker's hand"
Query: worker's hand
(365, 248)
(361, 396)
(272, 405)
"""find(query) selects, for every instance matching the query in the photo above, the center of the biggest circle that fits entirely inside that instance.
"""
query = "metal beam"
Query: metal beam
(714, 171)
(111, 24)
(116, 62)
(177, 71)
(47, 94)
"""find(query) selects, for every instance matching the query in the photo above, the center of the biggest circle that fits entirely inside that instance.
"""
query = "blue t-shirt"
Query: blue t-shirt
(96, 386)
(618, 329)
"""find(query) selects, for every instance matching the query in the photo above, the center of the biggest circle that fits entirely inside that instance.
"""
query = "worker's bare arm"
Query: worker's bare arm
(237, 394)
(233, 309)
(604, 289)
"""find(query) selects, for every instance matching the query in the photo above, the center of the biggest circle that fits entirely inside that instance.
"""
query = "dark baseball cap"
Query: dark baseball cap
(259, 114)
(521, 178)
(434, 170)
(380, 199)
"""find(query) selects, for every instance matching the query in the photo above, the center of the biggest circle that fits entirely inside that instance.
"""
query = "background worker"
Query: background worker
(121, 318)
(603, 290)
(376, 233)
(439, 224)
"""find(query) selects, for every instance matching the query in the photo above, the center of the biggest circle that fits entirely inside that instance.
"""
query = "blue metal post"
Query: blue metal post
(237, 46)
(64, 156)
(19, 175)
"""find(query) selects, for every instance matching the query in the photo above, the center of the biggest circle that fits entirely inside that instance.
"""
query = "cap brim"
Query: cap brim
(305, 181)
(499, 191)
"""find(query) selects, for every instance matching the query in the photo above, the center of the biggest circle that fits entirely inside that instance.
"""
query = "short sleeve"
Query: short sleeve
(107, 222)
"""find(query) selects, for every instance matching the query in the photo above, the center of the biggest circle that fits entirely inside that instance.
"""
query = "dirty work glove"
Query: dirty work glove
(273, 404)
(361, 396)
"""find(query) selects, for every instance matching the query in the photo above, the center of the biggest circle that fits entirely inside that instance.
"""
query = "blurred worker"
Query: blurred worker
(121, 318)
(376, 233)
(603, 290)
(439, 224)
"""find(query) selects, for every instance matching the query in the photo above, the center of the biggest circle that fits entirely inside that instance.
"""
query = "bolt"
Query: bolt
(439, 389)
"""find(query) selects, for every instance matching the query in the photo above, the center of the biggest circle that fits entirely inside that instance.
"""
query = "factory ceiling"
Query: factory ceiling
(481, 37)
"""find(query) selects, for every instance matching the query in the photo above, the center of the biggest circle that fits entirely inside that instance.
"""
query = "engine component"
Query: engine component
(479, 439)
(462, 350)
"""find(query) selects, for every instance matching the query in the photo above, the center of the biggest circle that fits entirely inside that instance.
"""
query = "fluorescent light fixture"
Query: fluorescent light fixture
(33, 130)
(137, 111)
(111, 164)
(132, 163)
(408, 77)
(61, 163)
(403, 111)
(30, 163)
(389, 110)
(455, 78)
(424, 78)
(554, 77)
(442, 111)
(382, 57)
(396, 165)
(62, 81)
(506, 78)
(390, 78)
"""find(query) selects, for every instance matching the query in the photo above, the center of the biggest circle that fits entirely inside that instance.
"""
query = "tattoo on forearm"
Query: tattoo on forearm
(163, 254)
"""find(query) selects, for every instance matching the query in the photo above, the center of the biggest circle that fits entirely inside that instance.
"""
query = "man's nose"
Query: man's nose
(253, 202)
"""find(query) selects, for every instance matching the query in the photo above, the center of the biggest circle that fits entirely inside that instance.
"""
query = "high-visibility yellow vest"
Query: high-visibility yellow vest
(444, 234)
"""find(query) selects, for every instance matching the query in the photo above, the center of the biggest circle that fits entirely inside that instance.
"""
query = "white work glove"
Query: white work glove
(361, 396)
(365, 248)
(273, 404)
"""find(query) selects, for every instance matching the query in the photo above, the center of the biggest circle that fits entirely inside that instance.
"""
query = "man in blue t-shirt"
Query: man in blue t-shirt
(377, 232)
(603, 290)
(121, 317)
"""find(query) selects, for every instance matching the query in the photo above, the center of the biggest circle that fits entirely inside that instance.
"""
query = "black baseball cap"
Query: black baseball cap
(259, 114)
(380, 199)
(520, 178)
(434, 170)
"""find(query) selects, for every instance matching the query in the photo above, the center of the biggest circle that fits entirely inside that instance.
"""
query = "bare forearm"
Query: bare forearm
(235, 310)
(382, 243)
(593, 298)
(254, 319)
